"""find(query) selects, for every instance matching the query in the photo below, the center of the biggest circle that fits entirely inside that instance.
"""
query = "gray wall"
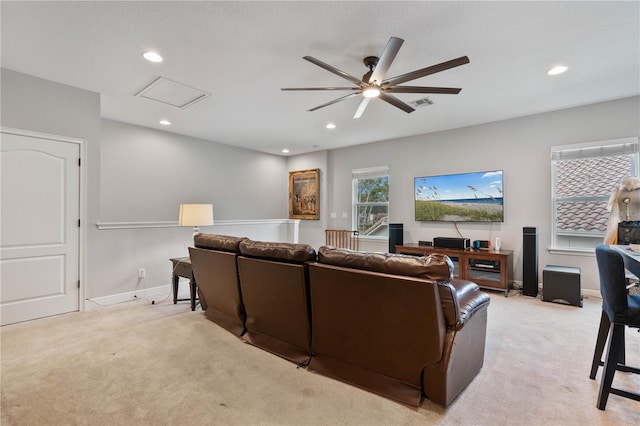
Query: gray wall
(141, 175)
(146, 174)
(520, 147)
(312, 231)
(31, 103)
(137, 174)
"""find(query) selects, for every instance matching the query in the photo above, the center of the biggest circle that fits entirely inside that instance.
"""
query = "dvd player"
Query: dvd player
(490, 265)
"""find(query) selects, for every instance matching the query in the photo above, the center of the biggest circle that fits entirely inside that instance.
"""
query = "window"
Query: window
(583, 177)
(371, 202)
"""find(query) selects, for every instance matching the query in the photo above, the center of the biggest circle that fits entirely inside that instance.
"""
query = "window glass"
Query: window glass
(371, 202)
(583, 179)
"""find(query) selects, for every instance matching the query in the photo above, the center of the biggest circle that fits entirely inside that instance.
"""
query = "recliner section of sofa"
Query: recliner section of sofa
(392, 324)
(396, 325)
(215, 267)
(274, 280)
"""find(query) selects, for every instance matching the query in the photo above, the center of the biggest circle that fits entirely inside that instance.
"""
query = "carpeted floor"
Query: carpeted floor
(143, 364)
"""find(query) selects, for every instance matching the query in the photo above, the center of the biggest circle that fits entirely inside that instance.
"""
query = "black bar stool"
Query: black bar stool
(619, 309)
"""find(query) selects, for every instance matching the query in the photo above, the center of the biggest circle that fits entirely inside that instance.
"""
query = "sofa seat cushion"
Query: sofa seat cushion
(218, 242)
(286, 252)
(435, 267)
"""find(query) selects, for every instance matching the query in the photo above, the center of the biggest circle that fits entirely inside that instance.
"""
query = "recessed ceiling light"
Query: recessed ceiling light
(285, 151)
(165, 122)
(330, 126)
(152, 56)
(557, 70)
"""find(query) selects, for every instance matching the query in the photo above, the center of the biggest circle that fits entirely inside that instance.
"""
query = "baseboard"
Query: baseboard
(591, 294)
(152, 293)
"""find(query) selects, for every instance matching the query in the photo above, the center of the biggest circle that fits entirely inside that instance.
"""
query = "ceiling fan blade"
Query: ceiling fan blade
(333, 69)
(361, 107)
(422, 89)
(350, 95)
(321, 88)
(427, 71)
(395, 102)
(386, 58)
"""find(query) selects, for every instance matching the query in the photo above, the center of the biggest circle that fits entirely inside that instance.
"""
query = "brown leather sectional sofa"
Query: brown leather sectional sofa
(396, 325)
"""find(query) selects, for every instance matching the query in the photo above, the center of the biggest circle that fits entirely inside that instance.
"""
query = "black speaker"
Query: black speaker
(530, 261)
(395, 236)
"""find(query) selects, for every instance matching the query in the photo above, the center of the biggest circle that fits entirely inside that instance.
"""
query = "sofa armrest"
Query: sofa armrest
(460, 299)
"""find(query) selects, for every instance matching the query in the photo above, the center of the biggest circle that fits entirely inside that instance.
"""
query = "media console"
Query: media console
(487, 268)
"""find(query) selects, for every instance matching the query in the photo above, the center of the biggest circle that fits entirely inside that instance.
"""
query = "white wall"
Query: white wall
(520, 147)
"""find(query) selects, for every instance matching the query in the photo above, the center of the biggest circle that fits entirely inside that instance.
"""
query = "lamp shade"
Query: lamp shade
(196, 215)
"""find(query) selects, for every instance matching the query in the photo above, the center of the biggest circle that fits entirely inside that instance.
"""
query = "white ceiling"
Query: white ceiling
(244, 52)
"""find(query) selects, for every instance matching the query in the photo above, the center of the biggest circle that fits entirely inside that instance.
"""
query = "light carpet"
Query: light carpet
(142, 364)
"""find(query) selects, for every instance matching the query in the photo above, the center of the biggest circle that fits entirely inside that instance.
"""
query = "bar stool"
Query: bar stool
(619, 309)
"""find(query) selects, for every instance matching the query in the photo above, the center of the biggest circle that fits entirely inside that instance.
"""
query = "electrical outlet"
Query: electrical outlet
(142, 273)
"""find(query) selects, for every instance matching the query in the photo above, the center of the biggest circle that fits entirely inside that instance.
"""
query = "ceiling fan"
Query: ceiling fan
(374, 85)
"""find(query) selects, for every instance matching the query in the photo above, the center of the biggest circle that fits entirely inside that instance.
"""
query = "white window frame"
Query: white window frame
(370, 172)
(604, 148)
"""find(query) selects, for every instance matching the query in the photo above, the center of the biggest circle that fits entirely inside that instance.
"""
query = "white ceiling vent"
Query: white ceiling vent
(419, 103)
(172, 93)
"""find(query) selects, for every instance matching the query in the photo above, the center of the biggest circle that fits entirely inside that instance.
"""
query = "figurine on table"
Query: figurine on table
(624, 219)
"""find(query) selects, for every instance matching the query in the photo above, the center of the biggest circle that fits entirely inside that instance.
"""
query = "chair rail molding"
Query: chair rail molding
(174, 223)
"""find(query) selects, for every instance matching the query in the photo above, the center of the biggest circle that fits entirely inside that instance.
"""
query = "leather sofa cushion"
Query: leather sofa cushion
(218, 242)
(288, 252)
(435, 267)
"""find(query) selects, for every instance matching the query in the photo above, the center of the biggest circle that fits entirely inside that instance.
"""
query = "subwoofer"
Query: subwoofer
(395, 236)
(530, 261)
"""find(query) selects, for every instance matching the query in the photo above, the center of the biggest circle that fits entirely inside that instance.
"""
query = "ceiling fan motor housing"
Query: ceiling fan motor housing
(370, 62)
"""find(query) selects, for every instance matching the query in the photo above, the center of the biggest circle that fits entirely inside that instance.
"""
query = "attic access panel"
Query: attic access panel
(172, 93)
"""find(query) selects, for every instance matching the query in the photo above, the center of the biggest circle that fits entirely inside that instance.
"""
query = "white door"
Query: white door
(39, 227)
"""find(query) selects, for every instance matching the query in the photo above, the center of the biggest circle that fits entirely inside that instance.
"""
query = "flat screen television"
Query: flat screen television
(464, 197)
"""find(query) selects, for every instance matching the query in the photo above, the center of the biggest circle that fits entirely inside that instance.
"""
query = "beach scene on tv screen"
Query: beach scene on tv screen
(465, 197)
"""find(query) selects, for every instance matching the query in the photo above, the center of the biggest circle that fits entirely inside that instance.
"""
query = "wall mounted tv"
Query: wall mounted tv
(464, 197)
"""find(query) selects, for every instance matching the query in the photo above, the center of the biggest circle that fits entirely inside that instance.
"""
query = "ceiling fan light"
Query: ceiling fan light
(371, 92)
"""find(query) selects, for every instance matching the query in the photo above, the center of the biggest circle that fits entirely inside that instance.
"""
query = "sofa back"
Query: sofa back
(274, 280)
(436, 267)
(377, 319)
(214, 263)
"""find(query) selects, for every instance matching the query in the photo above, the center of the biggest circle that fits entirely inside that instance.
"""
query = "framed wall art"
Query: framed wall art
(304, 194)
